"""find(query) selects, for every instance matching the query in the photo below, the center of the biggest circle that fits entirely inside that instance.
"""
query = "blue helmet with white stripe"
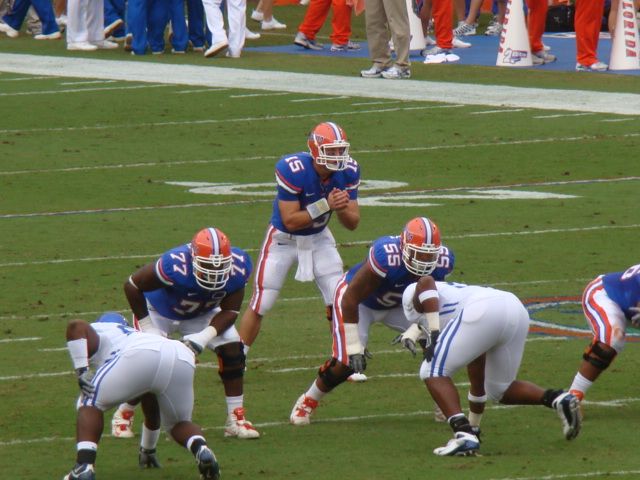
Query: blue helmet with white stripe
(113, 317)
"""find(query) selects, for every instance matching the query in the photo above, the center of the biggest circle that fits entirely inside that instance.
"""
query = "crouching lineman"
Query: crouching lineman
(610, 303)
(373, 290)
(196, 289)
(477, 323)
(127, 364)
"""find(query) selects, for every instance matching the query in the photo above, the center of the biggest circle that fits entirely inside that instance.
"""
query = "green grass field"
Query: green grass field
(92, 186)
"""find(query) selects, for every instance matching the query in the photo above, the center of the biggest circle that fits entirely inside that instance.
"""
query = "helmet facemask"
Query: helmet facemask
(333, 155)
(212, 273)
(420, 260)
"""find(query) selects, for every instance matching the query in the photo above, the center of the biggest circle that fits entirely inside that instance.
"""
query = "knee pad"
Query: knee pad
(231, 360)
(333, 373)
(600, 355)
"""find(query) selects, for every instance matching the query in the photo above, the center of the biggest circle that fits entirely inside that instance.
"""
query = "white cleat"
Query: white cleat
(462, 444)
(302, 410)
(238, 426)
(357, 378)
(568, 407)
(122, 424)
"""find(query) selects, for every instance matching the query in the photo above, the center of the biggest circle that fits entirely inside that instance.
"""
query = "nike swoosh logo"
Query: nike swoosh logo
(191, 294)
(309, 194)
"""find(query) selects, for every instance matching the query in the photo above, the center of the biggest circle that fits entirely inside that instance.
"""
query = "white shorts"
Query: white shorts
(169, 326)
(604, 316)
(168, 373)
(278, 253)
(496, 325)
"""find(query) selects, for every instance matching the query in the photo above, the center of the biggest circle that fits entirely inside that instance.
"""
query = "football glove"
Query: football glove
(358, 362)
(84, 381)
(409, 337)
(193, 346)
(431, 346)
(635, 319)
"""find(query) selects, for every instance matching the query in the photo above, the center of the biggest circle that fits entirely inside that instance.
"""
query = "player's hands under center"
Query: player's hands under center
(338, 199)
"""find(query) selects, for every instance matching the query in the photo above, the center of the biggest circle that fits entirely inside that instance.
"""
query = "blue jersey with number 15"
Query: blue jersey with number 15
(385, 259)
(298, 180)
(182, 298)
(624, 288)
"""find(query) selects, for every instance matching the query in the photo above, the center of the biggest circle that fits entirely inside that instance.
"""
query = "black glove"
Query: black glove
(147, 458)
(84, 381)
(358, 362)
(431, 347)
(406, 343)
(193, 346)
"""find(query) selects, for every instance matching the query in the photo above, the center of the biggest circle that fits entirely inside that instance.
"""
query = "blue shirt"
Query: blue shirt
(183, 298)
(385, 259)
(298, 180)
(624, 288)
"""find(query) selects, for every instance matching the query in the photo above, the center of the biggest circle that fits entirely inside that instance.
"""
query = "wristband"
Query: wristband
(317, 209)
(203, 337)
(352, 339)
(433, 321)
(79, 353)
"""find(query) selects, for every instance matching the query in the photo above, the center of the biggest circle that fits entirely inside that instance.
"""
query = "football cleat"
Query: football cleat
(147, 458)
(568, 407)
(420, 244)
(238, 426)
(302, 410)
(462, 444)
(207, 464)
(122, 424)
(81, 471)
(211, 258)
(357, 378)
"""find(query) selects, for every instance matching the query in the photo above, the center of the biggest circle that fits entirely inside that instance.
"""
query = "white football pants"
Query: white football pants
(236, 17)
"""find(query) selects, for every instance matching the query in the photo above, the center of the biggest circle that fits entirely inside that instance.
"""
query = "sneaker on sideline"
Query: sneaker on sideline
(302, 41)
(542, 57)
(494, 28)
(396, 73)
(8, 30)
(257, 16)
(464, 29)
(273, 24)
(302, 410)
(249, 35)
(458, 43)
(105, 45)
(347, 47)
(238, 426)
(48, 36)
(216, 48)
(373, 72)
(594, 67)
(81, 46)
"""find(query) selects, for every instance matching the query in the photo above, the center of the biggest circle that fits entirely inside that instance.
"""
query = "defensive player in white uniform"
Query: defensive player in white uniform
(373, 290)
(311, 186)
(196, 289)
(128, 364)
(466, 323)
(610, 303)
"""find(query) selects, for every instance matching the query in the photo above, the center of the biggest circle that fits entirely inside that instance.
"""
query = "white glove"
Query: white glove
(409, 337)
(197, 341)
(635, 319)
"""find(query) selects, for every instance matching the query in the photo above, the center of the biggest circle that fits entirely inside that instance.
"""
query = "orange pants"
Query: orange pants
(588, 20)
(442, 12)
(317, 13)
(536, 21)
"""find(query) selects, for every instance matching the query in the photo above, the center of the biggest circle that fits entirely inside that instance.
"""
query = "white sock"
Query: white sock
(149, 438)
(234, 402)
(474, 419)
(580, 384)
(314, 392)
(126, 407)
(246, 349)
(87, 446)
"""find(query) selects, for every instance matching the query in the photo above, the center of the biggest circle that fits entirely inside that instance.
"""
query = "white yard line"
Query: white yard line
(321, 99)
(488, 112)
(251, 95)
(560, 476)
(476, 94)
(87, 82)
(23, 339)
(562, 115)
(78, 90)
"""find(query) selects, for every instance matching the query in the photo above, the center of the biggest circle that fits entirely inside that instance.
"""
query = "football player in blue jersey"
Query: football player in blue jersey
(196, 289)
(373, 289)
(310, 188)
(610, 303)
(127, 363)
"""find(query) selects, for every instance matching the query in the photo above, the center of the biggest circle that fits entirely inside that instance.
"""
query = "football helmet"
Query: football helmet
(328, 146)
(211, 258)
(420, 243)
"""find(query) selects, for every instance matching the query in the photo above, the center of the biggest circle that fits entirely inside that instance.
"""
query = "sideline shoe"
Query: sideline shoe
(122, 421)
(232, 55)
(494, 28)
(238, 426)
(373, 72)
(207, 464)
(396, 73)
(428, 41)
(113, 26)
(216, 48)
(273, 24)
(302, 41)
(347, 47)
(249, 35)
(594, 67)
(458, 43)
(48, 36)
(81, 46)
(147, 458)
(8, 30)
(105, 45)
(464, 29)
(568, 407)
(462, 444)
(257, 16)
(542, 57)
(81, 471)
(439, 55)
(302, 410)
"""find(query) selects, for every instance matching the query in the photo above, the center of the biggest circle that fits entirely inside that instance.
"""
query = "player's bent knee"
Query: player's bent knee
(333, 373)
(600, 355)
(495, 391)
(231, 360)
